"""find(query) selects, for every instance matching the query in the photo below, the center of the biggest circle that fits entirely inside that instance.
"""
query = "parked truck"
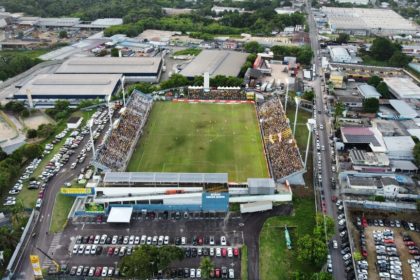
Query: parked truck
(258, 206)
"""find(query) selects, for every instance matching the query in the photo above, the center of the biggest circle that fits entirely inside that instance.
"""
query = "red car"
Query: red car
(99, 219)
(41, 194)
(200, 240)
(389, 241)
(217, 273)
(98, 271)
(409, 243)
(364, 252)
(236, 252)
(110, 251)
(334, 198)
(224, 252)
(413, 252)
(91, 239)
(324, 208)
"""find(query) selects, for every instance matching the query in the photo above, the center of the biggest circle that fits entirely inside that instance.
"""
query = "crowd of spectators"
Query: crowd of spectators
(234, 93)
(115, 154)
(283, 153)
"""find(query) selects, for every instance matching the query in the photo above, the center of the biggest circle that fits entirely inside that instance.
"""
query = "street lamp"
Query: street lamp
(123, 90)
(90, 124)
(109, 111)
(287, 95)
(310, 125)
(297, 101)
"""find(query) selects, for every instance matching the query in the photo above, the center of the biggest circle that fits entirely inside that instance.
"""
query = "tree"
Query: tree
(312, 249)
(45, 130)
(399, 59)
(382, 88)
(253, 47)
(342, 38)
(357, 256)
(418, 205)
(32, 151)
(148, 260)
(3, 154)
(382, 48)
(308, 95)
(115, 52)
(416, 152)
(62, 34)
(31, 133)
(374, 81)
(339, 109)
(371, 105)
(175, 81)
(319, 229)
(206, 266)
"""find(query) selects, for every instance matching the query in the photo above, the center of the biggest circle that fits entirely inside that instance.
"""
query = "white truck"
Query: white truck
(258, 206)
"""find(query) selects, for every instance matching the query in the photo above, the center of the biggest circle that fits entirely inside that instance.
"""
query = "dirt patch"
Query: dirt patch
(7, 131)
(35, 120)
(302, 191)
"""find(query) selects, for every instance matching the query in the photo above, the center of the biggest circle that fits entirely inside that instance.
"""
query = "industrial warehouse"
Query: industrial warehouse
(216, 62)
(45, 89)
(360, 21)
(134, 69)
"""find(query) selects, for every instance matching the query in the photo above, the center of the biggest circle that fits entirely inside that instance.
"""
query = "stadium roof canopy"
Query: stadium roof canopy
(164, 177)
(216, 62)
(111, 65)
(120, 215)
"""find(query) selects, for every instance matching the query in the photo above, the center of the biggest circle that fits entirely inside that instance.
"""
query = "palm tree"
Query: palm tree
(206, 265)
(339, 109)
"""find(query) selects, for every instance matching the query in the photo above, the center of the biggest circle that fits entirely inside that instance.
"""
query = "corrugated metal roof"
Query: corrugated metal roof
(164, 177)
(403, 108)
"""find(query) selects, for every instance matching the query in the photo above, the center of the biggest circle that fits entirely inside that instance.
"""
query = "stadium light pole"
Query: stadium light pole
(297, 100)
(90, 124)
(310, 125)
(123, 90)
(109, 112)
(287, 95)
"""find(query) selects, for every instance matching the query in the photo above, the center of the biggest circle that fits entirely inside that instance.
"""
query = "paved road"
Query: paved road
(42, 239)
(322, 118)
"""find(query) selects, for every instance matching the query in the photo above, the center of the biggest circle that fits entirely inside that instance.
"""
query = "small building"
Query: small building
(218, 9)
(57, 22)
(337, 79)
(363, 136)
(400, 147)
(351, 101)
(403, 88)
(74, 122)
(339, 54)
(404, 111)
(368, 91)
(364, 161)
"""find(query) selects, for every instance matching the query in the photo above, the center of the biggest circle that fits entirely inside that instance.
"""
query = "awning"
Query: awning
(120, 215)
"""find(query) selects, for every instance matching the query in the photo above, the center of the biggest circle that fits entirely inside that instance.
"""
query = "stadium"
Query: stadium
(197, 153)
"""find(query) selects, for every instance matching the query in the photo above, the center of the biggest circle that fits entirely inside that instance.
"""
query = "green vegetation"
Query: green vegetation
(190, 51)
(33, 54)
(244, 262)
(276, 261)
(253, 47)
(342, 38)
(206, 266)
(62, 206)
(182, 137)
(303, 54)
(416, 152)
(371, 105)
(14, 63)
(384, 52)
(380, 86)
(147, 260)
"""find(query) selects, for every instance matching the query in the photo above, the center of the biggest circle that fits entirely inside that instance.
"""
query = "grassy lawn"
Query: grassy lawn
(181, 137)
(244, 263)
(190, 51)
(62, 206)
(367, 60)
(30, 53)
(276, 261)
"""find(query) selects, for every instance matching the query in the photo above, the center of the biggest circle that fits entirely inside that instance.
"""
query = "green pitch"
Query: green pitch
(182, 137)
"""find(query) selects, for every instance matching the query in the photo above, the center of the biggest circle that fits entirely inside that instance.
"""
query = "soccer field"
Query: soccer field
(183, 137)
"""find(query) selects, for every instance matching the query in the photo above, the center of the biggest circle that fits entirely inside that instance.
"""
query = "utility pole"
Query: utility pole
(297, 101)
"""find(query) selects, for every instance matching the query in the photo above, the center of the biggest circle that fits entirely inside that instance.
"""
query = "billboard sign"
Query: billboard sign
(218, 202)
(36, 266)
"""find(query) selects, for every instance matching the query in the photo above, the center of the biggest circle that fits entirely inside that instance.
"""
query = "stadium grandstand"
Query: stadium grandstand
(281, 148)
(116, 151)
(221, 93)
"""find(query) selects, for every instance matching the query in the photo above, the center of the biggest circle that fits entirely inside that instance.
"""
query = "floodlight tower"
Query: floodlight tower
(297, 101)
(90, 124)
(123, 90)
(310, 125)
(287, 95)
(109, 111)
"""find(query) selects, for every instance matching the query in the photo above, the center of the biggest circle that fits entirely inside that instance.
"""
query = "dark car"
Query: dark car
(224, 272)
(188, 252)
(344, 245)
(120, 239)
(85, 271)
(180, 272)
(91, 239)
(194, 252)
(178, 240)
(345, 251)
(99, 250)
(186, 272)
(108, 240)
(85, 239)
(73, 270)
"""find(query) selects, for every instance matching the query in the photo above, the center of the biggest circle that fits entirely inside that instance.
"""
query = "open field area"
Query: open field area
(62, 206)
(276, 261)
(35, 120)
(181, 137)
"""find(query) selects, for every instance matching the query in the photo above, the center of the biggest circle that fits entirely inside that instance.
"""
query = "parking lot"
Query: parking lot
(389, 248)
(199, 234)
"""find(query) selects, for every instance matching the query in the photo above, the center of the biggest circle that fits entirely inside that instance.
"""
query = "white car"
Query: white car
(131, 240)
(192, 273)
(335, 244)
(166, 240)
(81, 249)
(231, 273)
(114, 239)
(97, 239)
(93, 250)
(346, 257)
(149, 240)
(211, 252)
(103, 239)
(104, 271)
(143, 239)
(230, 252)
(137, 240)
(87, 250)
(198, 273)
(183, 240)
(218, 252)
(75, 249)
(38, 203)
(223, 241)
